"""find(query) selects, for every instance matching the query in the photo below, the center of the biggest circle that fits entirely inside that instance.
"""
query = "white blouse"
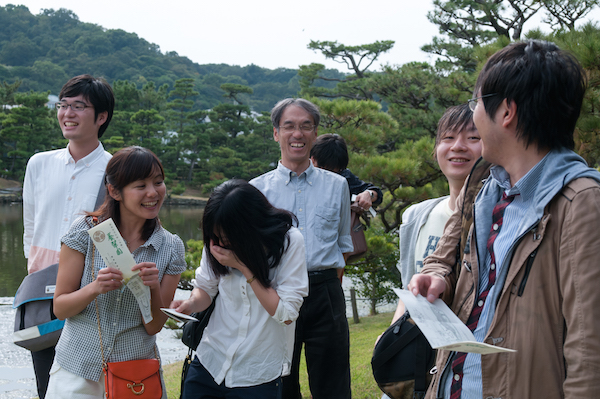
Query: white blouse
(242, 344)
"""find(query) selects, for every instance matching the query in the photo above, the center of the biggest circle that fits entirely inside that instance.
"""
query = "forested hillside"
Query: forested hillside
(44, 50)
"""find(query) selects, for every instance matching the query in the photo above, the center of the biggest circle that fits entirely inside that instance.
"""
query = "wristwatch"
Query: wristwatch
(371, 194)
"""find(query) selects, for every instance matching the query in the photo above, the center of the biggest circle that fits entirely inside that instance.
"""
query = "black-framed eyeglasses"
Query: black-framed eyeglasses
(473, 102)
(304, 128)
(76, 106)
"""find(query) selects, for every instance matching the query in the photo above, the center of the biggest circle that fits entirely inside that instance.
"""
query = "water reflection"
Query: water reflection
(181, 220)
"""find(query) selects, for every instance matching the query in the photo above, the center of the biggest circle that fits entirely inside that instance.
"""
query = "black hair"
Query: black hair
(126, 166)
(97, 91)
(309, 107)
(253, 229)
(330, 152)
(546, 83)
(456, 119)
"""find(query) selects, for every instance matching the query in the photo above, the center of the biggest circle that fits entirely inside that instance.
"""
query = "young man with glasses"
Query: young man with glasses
(528, 275)
(61, 185)
(321, 201)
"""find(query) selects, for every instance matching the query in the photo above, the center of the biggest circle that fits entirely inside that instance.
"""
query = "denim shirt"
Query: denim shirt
(321, 201)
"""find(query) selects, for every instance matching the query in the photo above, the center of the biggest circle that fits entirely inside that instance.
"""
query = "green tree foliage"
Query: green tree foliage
(585, 44)
(468, 24)
(28, 128)
(358, 59)
(377, 271)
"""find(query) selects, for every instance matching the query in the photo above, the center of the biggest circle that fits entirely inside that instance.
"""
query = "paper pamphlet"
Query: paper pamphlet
(115, 254)
(442, 328)
(172, 313)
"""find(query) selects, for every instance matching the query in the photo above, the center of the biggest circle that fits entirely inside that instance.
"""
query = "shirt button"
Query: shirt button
(480, 303)
(66, 219)
(493, 267)
(69, 199)
(299, 191)
(300, 210)
(495, 227)
(72, 177)
(301, 228)
(114, 324)
(456, 377)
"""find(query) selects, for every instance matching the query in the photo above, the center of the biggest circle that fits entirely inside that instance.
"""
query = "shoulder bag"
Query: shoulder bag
(192, 334)
(402, 359)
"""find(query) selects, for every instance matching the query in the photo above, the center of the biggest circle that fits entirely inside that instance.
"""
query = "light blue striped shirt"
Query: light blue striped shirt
(472, 387)
(321, 201)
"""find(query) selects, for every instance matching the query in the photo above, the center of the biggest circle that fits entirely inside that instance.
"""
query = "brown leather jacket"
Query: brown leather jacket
(549, 307)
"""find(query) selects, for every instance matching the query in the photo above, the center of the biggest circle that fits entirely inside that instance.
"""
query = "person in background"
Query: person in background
(330, 152)
(321, 202)
(457, 148)
(62, 184)
(529, 279)
(90, 295)
(254, 259)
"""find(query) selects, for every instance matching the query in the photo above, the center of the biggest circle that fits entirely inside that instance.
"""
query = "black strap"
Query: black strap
(420, 369)
(184, 370)
(101, 193)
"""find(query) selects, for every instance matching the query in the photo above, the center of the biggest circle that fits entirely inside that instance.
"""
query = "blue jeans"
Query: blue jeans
(199, 384)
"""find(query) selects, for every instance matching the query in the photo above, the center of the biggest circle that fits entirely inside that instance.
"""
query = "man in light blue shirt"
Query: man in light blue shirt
(321, 201)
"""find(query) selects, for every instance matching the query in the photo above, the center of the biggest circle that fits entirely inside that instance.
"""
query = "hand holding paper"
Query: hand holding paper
(442, 328)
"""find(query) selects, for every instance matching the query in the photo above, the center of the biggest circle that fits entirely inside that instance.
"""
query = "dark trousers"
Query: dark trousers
(323, 329)
(42, 363)
(199, 384)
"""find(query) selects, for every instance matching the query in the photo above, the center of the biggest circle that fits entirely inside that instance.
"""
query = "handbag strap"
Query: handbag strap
(104, 364)
(97, 311)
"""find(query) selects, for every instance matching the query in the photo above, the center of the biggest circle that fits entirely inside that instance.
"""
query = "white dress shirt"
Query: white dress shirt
(56, 191)
(242, 344)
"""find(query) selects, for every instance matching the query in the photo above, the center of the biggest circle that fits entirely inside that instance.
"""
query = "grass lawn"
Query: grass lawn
(362, 339)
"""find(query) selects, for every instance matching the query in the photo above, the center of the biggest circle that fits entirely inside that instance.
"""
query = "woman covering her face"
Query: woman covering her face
(255, 259)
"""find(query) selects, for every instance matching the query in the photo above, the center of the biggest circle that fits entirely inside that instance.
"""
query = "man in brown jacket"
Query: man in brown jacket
(529, 273)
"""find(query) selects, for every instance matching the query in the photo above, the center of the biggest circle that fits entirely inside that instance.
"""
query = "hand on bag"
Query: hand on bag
(364, 200)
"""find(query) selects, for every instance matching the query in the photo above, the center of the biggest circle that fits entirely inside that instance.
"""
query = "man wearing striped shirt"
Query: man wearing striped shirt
(528, 275)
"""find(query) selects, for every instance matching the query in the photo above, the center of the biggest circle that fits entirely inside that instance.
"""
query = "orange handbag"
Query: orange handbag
(133, 379)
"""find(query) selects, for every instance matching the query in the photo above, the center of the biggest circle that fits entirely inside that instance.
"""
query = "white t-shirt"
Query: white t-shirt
(431, 232)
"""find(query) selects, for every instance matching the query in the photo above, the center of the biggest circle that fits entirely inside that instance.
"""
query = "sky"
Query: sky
(267, 33)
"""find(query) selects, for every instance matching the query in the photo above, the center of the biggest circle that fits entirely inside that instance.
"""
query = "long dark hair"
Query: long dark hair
(126, 166)
(253, 229)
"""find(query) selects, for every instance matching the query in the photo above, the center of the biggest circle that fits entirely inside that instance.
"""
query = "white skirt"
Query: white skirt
(65, 385)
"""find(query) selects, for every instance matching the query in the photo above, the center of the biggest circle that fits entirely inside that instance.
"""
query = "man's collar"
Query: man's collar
(89, 158)
(526, 186)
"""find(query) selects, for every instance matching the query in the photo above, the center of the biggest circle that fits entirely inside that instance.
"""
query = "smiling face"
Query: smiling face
(143, 198)
(80, 126)
(295, 146)
(457, 152)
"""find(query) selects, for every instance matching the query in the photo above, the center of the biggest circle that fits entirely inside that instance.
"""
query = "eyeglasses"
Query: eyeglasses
(304, 128)
(76, 106)
(473, 102)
